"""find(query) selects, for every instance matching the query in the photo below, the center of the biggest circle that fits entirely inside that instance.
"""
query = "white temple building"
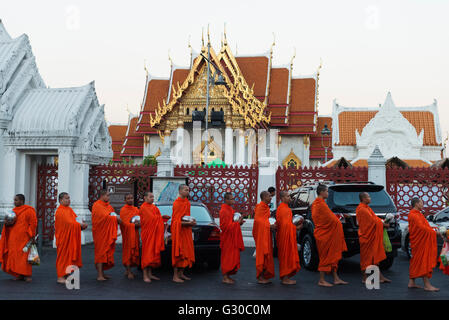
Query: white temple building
(45, 125)
(412, 134)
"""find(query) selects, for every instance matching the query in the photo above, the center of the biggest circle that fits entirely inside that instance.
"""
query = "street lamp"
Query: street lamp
(325, 132)
(220, 81)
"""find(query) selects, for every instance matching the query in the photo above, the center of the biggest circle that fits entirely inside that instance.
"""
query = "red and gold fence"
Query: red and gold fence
(429, 184)
(102, 176)
(208, 185)
(47, 197)
(292, 178)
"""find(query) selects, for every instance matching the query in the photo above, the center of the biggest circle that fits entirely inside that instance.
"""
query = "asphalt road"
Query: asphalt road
(206, 284)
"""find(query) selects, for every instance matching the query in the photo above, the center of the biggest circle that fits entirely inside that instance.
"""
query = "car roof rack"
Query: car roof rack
(357, 182)
(315, 183)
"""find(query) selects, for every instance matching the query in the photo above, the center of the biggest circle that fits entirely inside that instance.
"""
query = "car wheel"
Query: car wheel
(308, 253)
(408, 249)
(213, 263)
(386, 264)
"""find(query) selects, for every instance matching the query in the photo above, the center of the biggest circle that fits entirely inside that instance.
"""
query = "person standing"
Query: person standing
(231, 239)
(15, 237)
(152, 233)
(286, 241)
(329, 237)
(371, 232)
(423, 242)
(104, 232)
(262, 237)
(68, 237)
(183, 253)
(130, 236)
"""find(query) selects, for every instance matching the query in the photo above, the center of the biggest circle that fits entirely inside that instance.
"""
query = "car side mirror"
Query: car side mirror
(430, 218)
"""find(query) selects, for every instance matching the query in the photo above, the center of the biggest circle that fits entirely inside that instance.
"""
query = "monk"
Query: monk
(286, 241)
(262, 237)
(152, 233)
(183, 252)
(130, 236)
(423, 242)
(68, 238)
(329, 237)
(231, 239)
(104, 232)
(15, 237)
(371, 232)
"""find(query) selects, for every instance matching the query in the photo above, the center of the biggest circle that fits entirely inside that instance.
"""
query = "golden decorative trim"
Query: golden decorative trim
(291, 157)
(158, 153)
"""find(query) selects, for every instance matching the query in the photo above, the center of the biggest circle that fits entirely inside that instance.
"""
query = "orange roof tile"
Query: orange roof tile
(279, 78)
(317, 150)
(349, 121)
(179, 75)
(133, 145)
(412, 163)
(117, 133)
(255, 71)
(157, 91)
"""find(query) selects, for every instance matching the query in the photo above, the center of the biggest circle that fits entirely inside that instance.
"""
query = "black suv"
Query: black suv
(343, 200)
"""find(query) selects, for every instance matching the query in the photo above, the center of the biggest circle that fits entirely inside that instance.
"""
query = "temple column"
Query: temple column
(79, 197)
(240, 160)
(179, 147)
(9, 178)
(251, 145)
(306, 152)
(65, 168)
(229, 146)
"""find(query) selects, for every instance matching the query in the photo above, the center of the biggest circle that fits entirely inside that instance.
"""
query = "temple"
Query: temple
(406, 136)
(257, 95)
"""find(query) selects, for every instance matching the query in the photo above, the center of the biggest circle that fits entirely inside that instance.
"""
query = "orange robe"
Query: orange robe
(68, 240)
(262, 237)
(130, 236)
(152, 232)
(329, 237)
(104, 232)
(231, 240)
(13, 240)
(371, 236)
(286, 241)
(183, 252)
(423, 242)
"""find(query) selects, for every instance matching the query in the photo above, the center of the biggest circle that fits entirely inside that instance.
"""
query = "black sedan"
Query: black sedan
(206, 235)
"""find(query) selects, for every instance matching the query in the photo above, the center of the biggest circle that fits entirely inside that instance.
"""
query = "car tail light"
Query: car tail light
(214, 235)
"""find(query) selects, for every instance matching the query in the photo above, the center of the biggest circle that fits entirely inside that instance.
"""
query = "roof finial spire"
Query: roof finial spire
(208, 35)
(273, 44)
(145, 66)
(293, 58)
(169, 59)
(191, 52)
(202, 36)
(225, 40)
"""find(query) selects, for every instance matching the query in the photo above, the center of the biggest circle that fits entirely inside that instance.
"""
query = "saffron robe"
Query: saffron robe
(68, 240)
(264, 244)
(104, 232)
(152, 234)
(231, 240)
(286, 241)
(423, 242)
(329, 236)
(130, 236)
(14, 239)
(183, 252)
(371, 232)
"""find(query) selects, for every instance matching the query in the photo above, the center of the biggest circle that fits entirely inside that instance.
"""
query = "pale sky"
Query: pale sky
(368, 47)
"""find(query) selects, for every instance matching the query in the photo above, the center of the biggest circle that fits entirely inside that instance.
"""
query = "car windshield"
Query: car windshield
(347, 198)
(442, 216)
(198, 212)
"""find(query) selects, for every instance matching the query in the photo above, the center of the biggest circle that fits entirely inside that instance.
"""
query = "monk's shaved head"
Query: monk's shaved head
(182, 186)
(363, 195)
(283, 194)
(264, 194)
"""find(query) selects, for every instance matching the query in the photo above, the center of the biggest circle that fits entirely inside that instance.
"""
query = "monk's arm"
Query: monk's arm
(32, 223)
